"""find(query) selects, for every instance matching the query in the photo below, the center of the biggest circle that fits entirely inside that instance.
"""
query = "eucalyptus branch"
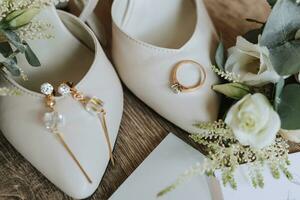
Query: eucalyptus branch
(14, 54)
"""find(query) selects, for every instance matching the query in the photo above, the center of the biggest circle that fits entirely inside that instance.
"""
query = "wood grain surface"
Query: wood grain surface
(141, 129)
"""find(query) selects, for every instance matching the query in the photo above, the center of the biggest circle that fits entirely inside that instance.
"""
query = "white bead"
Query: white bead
(53, 120)
(94, 106)
(47, 88)
(64, 89)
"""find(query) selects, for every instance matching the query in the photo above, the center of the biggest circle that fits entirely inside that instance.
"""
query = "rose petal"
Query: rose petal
(252, 63)
(267, 136)
(266, 121)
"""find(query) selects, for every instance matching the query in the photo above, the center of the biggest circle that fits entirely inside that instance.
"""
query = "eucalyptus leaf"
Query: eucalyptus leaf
(232, 90)
(13, 15)
(279, 37)
(278, 91)
(31, 57)
(289, 107)
(15, 40)
(5, 49)
(220, 56)
(12, 67)
(22, 18)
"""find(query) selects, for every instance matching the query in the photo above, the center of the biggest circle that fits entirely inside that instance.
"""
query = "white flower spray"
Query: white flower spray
(7, 6)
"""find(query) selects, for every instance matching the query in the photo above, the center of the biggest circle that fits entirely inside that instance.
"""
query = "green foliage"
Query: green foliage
(5, 49)
(220, 56)
(278, 91)
(289, 107)
(232, 90)
(13, 21)
(279, 36)
(12, 67)
(14, 39)
(20, 18)
(31, 57)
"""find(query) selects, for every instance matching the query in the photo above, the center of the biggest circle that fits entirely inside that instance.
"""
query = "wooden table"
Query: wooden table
(141, 129)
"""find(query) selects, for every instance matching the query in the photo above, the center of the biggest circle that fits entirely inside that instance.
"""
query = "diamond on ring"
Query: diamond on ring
(176, 87)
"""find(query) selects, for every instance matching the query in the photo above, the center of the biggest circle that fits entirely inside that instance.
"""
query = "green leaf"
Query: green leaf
(285, 58)
(13, 15)
(278, 91)
(232, 90)
(31, 57)
(15, 40)
(279, 37)
(220, 56)
(5, 49)
(272, 2)
(20, 18)
(289, 107)
(12, 67)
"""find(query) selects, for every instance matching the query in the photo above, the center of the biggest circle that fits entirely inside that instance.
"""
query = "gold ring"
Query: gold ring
(177, 87)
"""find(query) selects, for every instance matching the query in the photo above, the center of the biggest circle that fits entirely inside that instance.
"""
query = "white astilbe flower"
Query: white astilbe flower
(36, 30)
(7, 6)
(229, 76)
(4, 91)
(225, 154)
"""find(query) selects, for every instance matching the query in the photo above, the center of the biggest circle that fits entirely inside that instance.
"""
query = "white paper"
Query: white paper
(173, 156)
(281, 189)
(161, 168)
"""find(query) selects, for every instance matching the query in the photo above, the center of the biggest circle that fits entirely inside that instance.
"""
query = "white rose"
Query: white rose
(254, 121)
(252, 63)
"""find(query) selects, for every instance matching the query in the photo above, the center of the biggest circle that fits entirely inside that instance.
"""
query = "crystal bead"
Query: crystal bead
(53, 120)
(47, 88)
(94, 106)
(64, 89)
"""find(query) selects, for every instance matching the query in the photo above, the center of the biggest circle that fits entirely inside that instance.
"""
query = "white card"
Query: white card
(161, 168)
(173, 156)
(281, 189)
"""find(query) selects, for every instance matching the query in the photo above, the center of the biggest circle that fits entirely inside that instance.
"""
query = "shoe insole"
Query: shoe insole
(63, 57)
(163, 23)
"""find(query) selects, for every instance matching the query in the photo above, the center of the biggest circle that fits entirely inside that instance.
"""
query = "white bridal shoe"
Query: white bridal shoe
(73, 55)
(149, 38)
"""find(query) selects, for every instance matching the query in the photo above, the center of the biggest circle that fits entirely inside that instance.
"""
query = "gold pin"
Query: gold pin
(93, 105)
(53, 120)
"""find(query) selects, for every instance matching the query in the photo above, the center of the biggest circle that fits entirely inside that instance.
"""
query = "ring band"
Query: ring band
(177, 87)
